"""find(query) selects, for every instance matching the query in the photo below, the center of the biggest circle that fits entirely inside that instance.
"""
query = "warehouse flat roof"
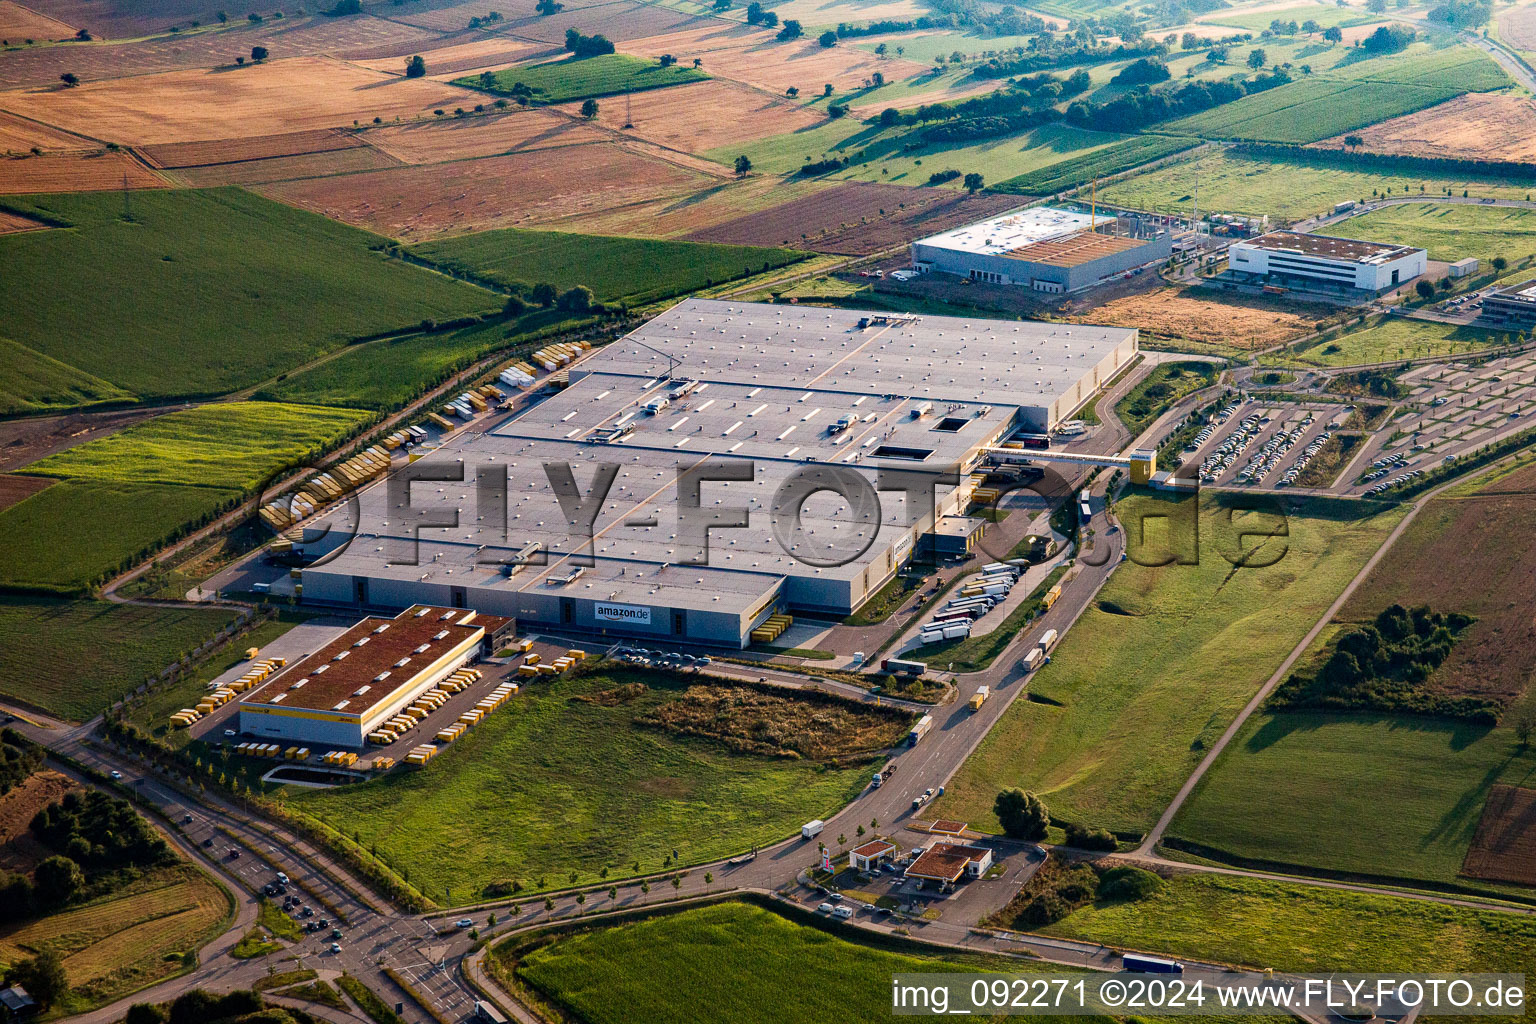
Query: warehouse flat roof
(370, 660)
(1011, 231)
(1350, 250)
(1075, 250)
(1527, 294)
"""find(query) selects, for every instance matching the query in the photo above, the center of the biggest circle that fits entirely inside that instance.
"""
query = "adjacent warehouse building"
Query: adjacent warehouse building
(358, 681)
(1515, 307)
(1042, 248)
(1322, 263)
(770, 396)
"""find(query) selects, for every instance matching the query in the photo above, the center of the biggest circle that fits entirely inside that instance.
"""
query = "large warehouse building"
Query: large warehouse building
(1321, 262)
(771, 395)
(362, 678)
(1042, 248)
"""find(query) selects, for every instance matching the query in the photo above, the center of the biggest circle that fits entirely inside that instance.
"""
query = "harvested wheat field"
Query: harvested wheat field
(680, 216)
(74, 172)
(18, 23)
(1477, 126)
(284, 168)
(463, 138)
(1517, 27)
(19, 135)
(298, 94)
(755, 57)
(10, 224)
(487, 53)
(704, 115)
(418, 203)
(1187, 314)
(857, 218)
(830, 12)
(1504, 848)
(252, 147)
(619, 21)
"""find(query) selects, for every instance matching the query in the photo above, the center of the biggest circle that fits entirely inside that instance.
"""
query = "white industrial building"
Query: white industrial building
(1321, 262)
(773, 392)
(339, 694)
(1042, 248)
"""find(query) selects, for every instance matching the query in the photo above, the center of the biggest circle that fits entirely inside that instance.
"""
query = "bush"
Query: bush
(1126, 883)
(1085, 838)
(58, 879)
(1022, 815)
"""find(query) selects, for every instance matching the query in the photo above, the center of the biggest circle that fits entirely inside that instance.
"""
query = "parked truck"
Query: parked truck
(1032, 659)
(919, 730)
(980, 697)
(812, 829)
(1048, 640)
(900, 667)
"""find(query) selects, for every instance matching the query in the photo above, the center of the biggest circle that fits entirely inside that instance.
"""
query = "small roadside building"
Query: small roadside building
(871, 855)
(949, 863)
(16, 1004)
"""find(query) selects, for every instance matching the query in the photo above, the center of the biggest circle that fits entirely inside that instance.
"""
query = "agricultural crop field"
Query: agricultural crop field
(74, 172)
(275, 288)
(34, 382)
(703, 115)
(1311, 109)
(76, 533)
(462, 138)
(1464, 552)
(1152, 673)
(71, 657)
(1121, 156)
(1477, 126)
(227, 445)
(553, 783)
(1451, 232)
(1298, 928)
(1233, 183)
(572, 79)
(525, 188)
(880, 155)
(630, 270)
(1326, 17)
(386, 374)
(856, 218)
(733, 958)
(121, 942)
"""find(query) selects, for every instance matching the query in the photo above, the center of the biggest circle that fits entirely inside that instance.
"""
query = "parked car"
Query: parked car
(463, 922)
(116, 774)
(335, 947)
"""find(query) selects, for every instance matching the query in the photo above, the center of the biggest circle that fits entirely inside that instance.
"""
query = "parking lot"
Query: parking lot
(1257, 443)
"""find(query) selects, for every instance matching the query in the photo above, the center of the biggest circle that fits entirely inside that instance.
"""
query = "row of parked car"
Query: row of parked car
(1226, 454)
(1300, 464)
(661, 659)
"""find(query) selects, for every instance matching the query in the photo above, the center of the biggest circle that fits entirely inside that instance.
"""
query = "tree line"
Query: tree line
(1370, 161)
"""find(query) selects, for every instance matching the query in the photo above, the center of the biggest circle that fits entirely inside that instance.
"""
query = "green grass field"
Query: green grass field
(549, 784)
(65, 538)
(879, 154)
(1390, 339)
(1331, 773)
(744, 963)
(1152, 674)
(203, 292)
(1326, 17)
(617, 269)
(571, 79)
(1451, 232)
(387, 374)
(228, 445)
(36, 383)
(1307, 928)
(1232, 183)
(71, 657)
(1159, 390)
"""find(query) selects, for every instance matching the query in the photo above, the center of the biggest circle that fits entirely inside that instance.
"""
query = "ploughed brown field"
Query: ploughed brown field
(288, 37)
(1517, 27)
(416, 203)
(297, 94)
(74, 172)
(1477, 555)
(1504, 848)
(482, 135)
(1192, 314)
(856, 218)
(1477, 126)
(752, 55)
(18, 24)
(14, 488)
(703, 115)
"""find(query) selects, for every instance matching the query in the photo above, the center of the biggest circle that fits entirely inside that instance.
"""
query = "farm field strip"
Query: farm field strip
(257, 147)
(74, 172)
(430, 142)
(1476, 126)
(572, 79)
(285, 168)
